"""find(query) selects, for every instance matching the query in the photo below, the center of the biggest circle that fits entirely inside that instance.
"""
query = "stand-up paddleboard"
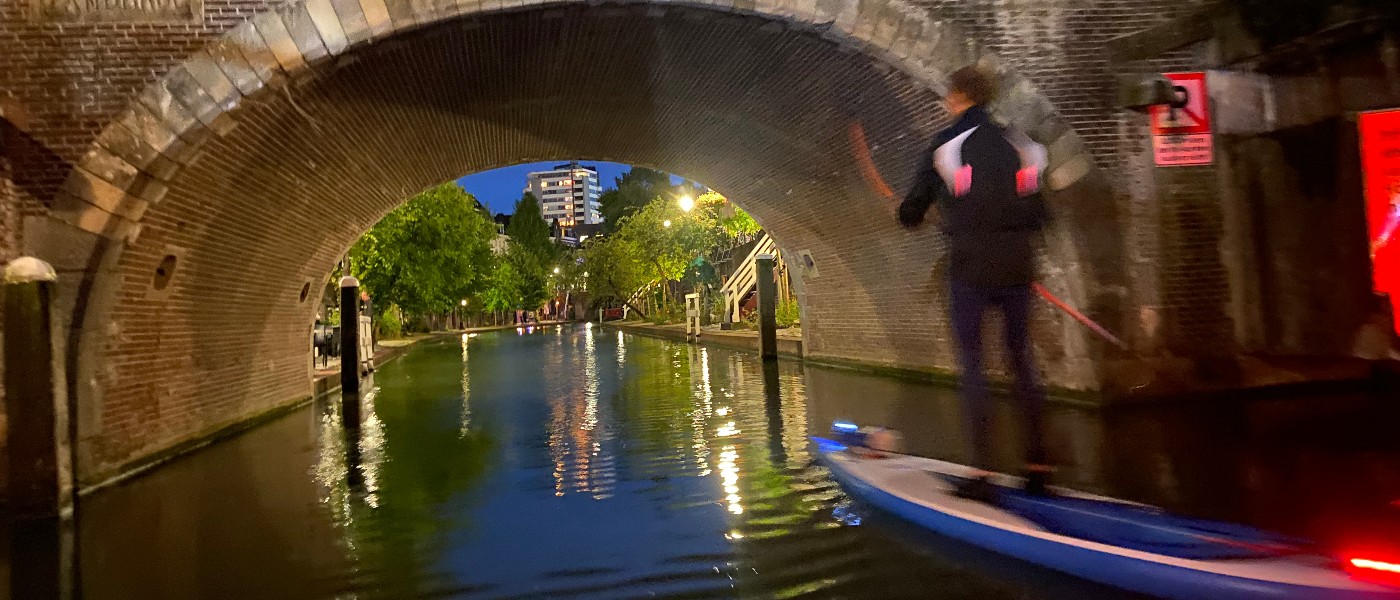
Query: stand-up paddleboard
(1125, 545)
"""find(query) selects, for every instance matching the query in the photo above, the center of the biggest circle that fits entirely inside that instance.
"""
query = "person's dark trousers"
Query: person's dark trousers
(969, 304)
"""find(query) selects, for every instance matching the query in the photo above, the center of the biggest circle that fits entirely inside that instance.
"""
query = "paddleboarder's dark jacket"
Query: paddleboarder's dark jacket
(985, 180)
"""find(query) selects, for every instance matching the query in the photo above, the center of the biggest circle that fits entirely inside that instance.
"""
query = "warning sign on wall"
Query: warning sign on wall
(1380, 169)
(1181, 134)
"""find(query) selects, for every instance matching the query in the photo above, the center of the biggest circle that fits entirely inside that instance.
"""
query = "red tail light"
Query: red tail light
(1374, 570)
(1364, 563)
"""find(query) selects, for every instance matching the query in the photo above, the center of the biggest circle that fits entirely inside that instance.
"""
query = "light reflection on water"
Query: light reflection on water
(578, 462)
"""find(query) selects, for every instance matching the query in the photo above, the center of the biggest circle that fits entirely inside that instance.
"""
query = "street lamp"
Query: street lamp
(464, 302)
(687, 203)
(556, 270)
(667, 223)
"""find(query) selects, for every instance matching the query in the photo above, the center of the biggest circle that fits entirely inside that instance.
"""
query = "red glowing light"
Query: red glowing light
(1380, 167)
(1364, 563)
(1375, 571)
(1028, 181)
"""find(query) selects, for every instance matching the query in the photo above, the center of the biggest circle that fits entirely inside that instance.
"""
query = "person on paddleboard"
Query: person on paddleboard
(984, 180)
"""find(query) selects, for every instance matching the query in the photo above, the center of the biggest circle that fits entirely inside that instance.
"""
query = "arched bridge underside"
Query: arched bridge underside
(257, 161)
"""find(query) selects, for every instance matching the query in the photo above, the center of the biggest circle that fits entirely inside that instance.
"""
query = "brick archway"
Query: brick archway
(203, 209)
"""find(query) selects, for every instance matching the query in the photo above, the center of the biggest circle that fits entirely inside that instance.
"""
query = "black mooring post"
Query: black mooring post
(43, 559)
(36, 407)
(767, 307)
(350, 336)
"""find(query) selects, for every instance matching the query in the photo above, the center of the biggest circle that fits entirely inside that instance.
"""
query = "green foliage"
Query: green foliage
(427, 255)
(390, 326)
(645, 251)
(787, 313)
(741, 223)
(529, 230)
(635, 189)
(502, 291)
(614, 269)
(532, 254)
(416, 324)
(668, 250)
(532, 283)
(571, 269)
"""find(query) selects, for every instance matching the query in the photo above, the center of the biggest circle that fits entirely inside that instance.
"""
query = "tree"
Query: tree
(502, 291)
(531, 253)
(738, 224)
(654, 245)
(427, 255)
(669, 249)
(532, 283)
(635, 188)
(615, 270)
(528, 228)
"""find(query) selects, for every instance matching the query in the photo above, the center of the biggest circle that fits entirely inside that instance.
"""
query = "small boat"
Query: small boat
(1122, 544)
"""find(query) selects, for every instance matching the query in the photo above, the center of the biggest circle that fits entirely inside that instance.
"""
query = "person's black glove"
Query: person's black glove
(911, 213)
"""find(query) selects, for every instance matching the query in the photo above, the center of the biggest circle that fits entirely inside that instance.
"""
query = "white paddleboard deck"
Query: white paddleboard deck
(919, 482)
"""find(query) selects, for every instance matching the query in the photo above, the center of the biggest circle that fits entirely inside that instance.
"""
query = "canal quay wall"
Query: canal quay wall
(739, 339)
(1131, 383)
(791, 347)
(326, 381)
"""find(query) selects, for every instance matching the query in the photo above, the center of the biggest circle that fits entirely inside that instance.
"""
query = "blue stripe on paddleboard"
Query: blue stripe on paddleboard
(1142, 528)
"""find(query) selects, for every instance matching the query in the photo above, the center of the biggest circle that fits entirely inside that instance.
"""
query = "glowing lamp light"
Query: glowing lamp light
(687, 203)
(464, 302)
(666, 223)
(845, 427)
(556, 270)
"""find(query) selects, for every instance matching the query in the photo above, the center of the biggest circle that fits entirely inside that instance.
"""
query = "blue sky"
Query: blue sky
(500, 188)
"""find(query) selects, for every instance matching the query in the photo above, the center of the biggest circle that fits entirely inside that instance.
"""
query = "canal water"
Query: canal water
(581, 462)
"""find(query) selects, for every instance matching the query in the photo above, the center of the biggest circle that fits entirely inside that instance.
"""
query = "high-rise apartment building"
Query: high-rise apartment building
(568, 194)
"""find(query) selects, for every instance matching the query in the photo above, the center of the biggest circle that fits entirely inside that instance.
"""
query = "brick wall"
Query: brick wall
(244, 174)
(1160, 257)
(9, 244)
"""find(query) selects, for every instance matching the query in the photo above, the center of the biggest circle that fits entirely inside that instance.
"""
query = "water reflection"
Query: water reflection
(583, 463)
(466, 416)
(41, 558)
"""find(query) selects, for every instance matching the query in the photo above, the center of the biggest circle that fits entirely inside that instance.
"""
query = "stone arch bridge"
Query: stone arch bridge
(193, 169)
